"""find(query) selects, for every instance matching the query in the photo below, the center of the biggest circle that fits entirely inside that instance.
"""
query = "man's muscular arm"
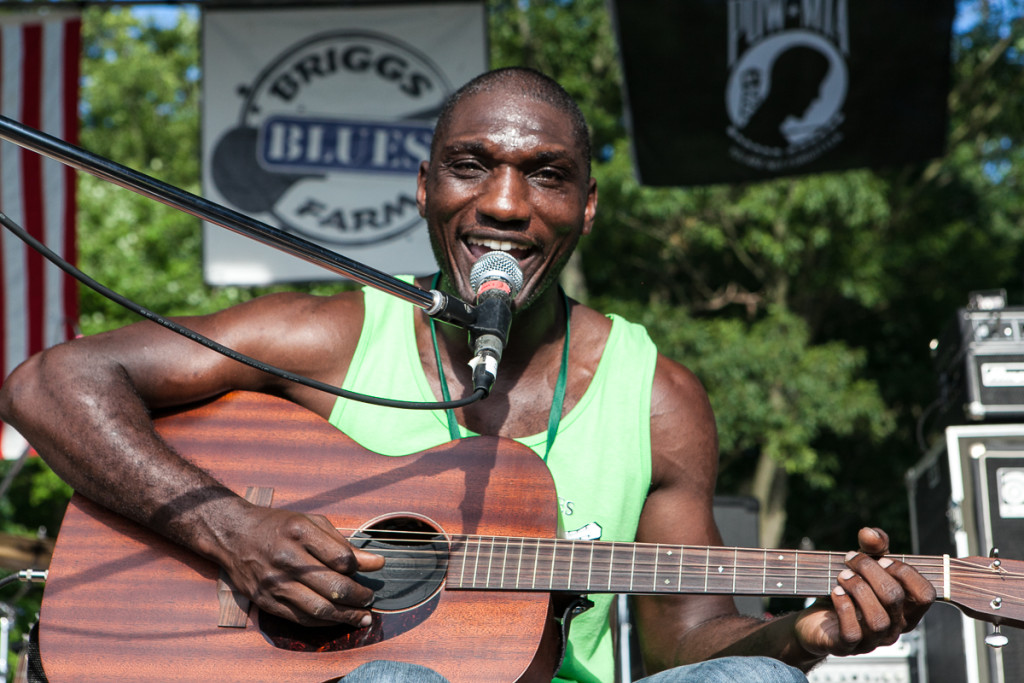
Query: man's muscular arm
(85, 407)
(875, 601)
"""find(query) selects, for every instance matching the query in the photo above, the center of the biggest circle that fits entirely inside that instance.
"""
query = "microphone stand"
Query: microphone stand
(436, 304)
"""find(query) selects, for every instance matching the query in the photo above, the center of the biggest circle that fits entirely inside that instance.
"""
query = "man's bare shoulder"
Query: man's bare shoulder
(314, 336)
(287, 304)
(591, 321)
(330, 324)
(677, 391)
(296, 317)
(303, 334)
(684, 439)
(682, 422)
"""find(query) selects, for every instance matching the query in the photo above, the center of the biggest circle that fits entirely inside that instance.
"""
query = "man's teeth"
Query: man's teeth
(496, 245)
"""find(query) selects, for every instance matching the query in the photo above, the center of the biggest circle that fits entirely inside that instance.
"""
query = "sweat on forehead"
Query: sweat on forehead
(522, 82)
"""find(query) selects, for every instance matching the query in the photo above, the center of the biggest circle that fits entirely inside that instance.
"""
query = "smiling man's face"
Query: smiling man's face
(506, 175)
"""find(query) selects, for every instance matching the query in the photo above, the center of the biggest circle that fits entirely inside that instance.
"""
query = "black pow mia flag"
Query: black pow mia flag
(741, 90)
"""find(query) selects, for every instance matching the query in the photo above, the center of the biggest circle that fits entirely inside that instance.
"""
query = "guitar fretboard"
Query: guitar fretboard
(522, 564)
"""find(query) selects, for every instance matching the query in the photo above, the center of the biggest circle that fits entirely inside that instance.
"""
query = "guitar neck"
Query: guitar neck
(529, 564)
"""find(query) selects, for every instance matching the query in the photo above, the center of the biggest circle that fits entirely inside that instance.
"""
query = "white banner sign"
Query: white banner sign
(315, 121)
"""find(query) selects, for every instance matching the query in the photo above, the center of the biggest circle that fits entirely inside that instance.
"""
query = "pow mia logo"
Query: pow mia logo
(330, 135)
(788, 80)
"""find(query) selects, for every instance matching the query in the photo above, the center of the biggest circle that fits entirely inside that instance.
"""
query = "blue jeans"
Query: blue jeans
(393, 672)
(724, 670)
(731, 670)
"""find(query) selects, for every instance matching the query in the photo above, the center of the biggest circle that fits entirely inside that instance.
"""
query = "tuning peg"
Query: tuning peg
(996, 639)
(994, 554)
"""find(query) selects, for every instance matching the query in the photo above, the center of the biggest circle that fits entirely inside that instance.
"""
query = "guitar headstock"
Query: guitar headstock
(988, 588)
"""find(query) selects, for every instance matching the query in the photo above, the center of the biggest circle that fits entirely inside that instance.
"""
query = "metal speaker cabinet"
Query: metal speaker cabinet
(980, 362)
(967, 498)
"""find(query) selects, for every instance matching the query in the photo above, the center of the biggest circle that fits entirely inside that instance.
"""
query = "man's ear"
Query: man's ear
(590, 210)
(421, 188)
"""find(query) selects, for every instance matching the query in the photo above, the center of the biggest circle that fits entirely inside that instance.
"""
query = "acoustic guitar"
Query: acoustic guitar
(468, 530)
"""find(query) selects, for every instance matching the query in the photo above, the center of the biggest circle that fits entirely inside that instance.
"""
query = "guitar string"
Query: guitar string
(563, 581)
(700, 571)
(962, 594)
(645, 549)
(555, 578)
(555, 581)
(600, 564)
(605, 569)
(811, 566)
(665, 568)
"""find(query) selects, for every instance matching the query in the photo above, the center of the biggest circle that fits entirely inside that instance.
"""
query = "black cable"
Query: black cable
(71, 270)
(9, 579)
(920, 432)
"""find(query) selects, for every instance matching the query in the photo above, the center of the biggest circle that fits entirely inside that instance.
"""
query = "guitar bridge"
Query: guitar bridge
(234, 606)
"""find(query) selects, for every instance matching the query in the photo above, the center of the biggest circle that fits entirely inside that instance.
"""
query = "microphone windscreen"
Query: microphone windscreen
(496, 265)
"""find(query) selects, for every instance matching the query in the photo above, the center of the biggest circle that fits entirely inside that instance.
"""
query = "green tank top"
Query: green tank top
(600, 461)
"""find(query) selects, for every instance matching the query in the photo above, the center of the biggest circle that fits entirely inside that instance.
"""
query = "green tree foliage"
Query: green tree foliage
(722, 275)
(830, 286)
(570, 40)
(32, 508)
(754, 260)
(140, 108)
(140, 94)
(146, 250)
(764, 409)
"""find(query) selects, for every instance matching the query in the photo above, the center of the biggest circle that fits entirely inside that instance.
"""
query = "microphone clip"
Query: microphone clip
(487, 337)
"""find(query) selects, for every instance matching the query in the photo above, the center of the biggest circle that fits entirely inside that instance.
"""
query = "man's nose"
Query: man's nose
(506, 196)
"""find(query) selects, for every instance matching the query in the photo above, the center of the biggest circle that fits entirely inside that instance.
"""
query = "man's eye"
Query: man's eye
(466, 166)
(549, 175)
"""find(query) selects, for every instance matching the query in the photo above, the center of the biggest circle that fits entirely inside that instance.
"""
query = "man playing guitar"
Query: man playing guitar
(509, 171)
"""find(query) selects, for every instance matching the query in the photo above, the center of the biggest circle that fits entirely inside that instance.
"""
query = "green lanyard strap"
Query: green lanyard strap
(557, 400)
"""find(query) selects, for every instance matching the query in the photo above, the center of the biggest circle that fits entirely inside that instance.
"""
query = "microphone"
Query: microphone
(496, 279)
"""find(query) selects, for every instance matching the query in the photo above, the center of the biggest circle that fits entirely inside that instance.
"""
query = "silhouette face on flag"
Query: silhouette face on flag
(796, 80)
(765, 89)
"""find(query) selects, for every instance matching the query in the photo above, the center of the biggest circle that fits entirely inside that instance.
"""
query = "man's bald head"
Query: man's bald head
(521, 82)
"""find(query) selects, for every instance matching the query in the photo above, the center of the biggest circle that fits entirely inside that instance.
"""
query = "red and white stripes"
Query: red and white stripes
(39, 71)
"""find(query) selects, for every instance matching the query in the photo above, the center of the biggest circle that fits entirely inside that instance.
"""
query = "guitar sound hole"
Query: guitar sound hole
(416, 556)
(406, 590)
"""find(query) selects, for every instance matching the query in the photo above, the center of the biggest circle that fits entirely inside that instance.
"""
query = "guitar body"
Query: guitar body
(122, 603)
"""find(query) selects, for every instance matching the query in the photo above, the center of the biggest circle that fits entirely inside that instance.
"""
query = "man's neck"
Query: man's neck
(520, 400)
(541, 324)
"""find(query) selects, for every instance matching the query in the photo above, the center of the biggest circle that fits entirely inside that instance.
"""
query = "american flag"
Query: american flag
(39, 69)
